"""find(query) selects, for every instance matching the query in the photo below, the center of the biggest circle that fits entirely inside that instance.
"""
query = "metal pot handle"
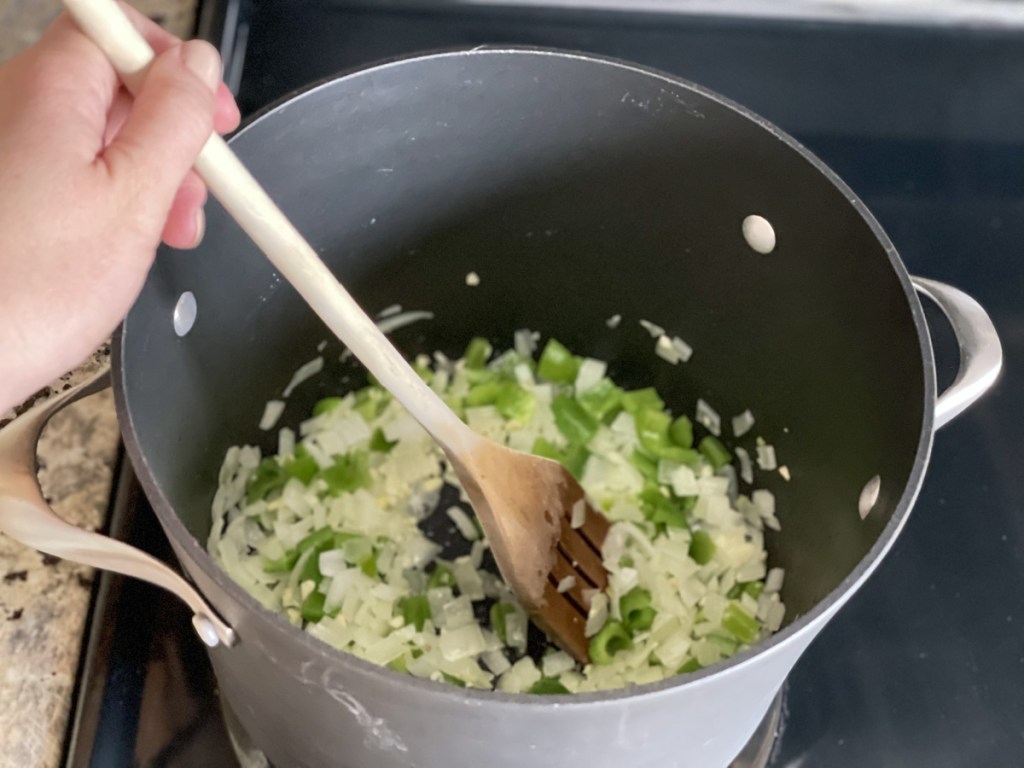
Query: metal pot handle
(26, 517)
(981, 354)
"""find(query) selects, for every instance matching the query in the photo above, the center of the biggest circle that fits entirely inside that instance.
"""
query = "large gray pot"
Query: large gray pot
(577, 188)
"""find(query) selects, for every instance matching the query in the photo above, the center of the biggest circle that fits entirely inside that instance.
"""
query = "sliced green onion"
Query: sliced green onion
(636, 610)
(740, 624)
(612, 638)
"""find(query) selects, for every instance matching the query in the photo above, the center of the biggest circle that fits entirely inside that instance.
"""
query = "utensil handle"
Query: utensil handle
(981, 354)
(26, 517)
(249, 204)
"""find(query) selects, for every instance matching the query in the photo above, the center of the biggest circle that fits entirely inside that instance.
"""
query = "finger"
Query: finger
(227, 117)
(170, 121)
(186, 221)
(117, 115)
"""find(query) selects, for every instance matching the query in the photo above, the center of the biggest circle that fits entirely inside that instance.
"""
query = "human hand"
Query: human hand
(91, 180)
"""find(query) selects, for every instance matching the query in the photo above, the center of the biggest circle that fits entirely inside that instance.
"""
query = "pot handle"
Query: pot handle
(981, 354)
(26, 517)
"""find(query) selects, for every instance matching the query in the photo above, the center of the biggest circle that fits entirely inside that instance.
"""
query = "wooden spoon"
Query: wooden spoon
(523, 502)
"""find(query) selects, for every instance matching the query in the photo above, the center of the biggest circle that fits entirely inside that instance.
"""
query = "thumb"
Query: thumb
(170, 121)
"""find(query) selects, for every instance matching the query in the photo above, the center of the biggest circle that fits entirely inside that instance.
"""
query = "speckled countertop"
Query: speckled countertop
(43, 601)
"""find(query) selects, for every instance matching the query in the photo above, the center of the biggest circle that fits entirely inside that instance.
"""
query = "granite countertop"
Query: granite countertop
(43, 600)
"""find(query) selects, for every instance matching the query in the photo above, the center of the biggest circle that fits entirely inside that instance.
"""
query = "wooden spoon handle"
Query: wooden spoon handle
(249, 204)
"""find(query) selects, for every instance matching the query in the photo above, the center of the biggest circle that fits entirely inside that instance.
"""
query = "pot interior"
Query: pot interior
(577, 189)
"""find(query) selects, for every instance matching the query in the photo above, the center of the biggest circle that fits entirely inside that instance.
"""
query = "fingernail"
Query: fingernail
(200, 228)
(203, 61)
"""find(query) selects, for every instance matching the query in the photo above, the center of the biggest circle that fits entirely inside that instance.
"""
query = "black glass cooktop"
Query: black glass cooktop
(924, 667)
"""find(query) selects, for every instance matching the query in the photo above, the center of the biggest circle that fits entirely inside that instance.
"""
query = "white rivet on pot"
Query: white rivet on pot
(759, 233)
(185, 313)
(869, 496)
(205, 629)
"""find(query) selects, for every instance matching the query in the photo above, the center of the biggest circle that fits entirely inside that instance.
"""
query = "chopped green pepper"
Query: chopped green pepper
(415, 610)
(648, 467)
(348, 473)
(573, 458)
(399, 664)
(558, 364)
(652, 430)
(269, 477)
(514, 402)
(602, 401)
(715, 452)
(379, 443)
(303, 467)
(312, 609)
(371, 401)
(702, 548)
(547, 686)
(498, 613)
(659, 508)
(740, 588)
(612, 638)
(642, 400)
(456, 681)
(692, 665)
(282, 564)
(442, 576)
(681, 432)
(572, 420)
(368, 565)
(327, 405)
(486, 393)
(740, 624)
(478, 351)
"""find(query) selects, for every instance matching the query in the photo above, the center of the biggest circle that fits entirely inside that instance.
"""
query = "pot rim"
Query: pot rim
(343, 661)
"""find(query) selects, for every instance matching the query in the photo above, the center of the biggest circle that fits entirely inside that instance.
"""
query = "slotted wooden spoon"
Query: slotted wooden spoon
(523, 502)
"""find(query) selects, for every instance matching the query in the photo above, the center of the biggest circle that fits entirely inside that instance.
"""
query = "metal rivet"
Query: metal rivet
(206, 631)
(869, 496)
(185, 313)
(759, 234)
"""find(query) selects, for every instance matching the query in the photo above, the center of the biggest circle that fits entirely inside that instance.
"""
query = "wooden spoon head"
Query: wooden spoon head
(525, 504)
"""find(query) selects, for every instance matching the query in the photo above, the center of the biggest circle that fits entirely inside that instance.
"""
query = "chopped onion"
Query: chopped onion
(653, 329)
(684, 350)
(472, 279)
(784, 472)
(664, 349)
(566, 584)
(590, 373)
(394, 322)
(742, 423)
(613, 321)
(709, 418)
(598, 614)
(388, 311)
(463, 522)
(305, 371)
(766, 457)
(746, 466)
(579, 514)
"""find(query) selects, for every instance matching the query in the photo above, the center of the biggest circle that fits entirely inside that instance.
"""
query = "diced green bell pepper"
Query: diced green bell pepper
(557, 364)
(612, 638)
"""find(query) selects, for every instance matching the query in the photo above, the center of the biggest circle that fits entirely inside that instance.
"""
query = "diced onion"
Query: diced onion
(652, 328)
(742, 423)
(305, 371)
(463, 522)
(709, 418)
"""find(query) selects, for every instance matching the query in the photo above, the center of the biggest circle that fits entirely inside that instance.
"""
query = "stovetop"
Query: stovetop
(924, 666)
